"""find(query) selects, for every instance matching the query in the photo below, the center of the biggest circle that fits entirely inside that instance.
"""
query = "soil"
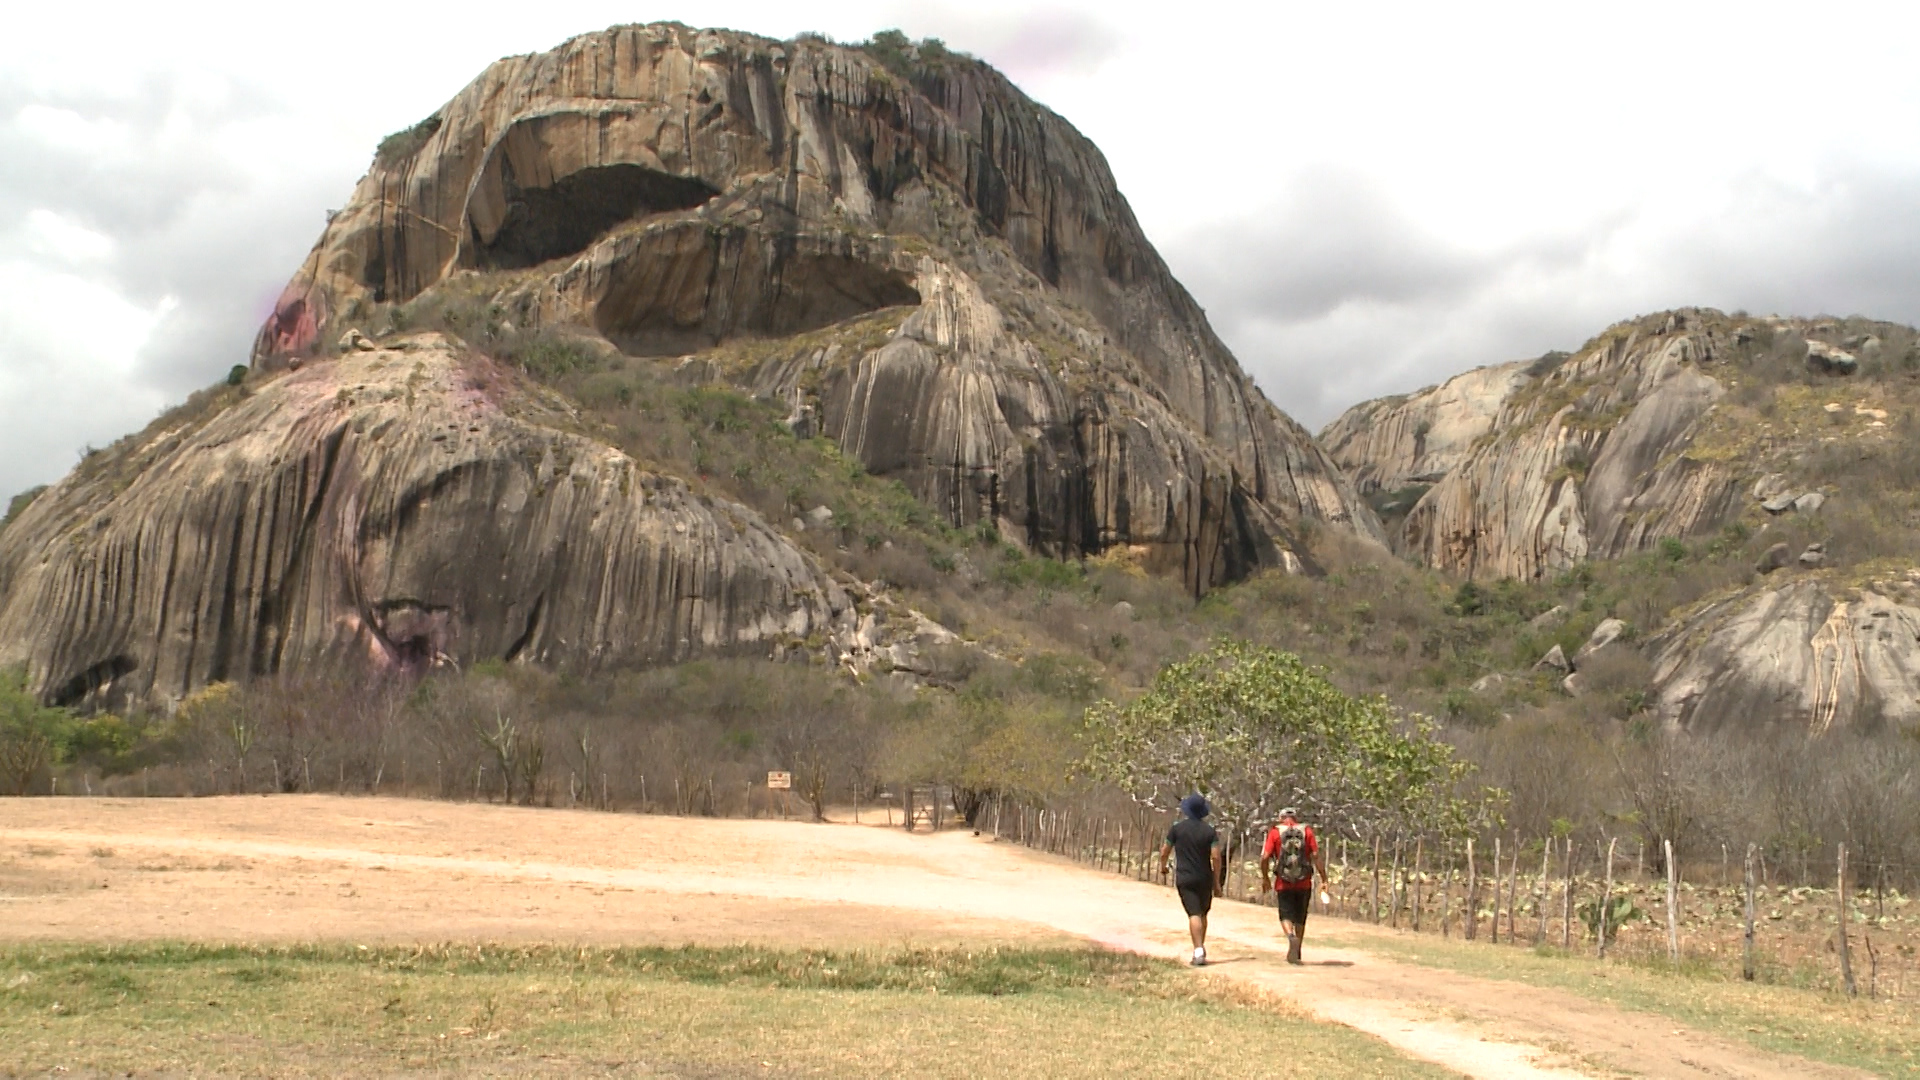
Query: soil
(371, 870)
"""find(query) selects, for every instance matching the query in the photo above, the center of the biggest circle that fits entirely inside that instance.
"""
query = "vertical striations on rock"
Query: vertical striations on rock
(406, 506)
(686, 193)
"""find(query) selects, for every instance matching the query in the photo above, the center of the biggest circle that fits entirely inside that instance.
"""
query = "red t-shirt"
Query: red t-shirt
(1271, 849)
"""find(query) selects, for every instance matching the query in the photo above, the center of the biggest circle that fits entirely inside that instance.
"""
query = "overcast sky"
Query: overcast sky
(1365, 198)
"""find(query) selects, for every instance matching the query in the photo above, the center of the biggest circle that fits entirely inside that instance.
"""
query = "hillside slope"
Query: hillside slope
(1780, 453)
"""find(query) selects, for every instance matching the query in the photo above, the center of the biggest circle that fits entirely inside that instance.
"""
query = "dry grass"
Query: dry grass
(1876, 1035)
(479, 1010)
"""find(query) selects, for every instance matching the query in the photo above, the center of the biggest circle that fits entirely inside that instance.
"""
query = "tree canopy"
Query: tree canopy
(1255, 730)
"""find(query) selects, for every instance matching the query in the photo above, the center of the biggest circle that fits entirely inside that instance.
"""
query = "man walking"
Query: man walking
(1288, 859)
(1197, 868)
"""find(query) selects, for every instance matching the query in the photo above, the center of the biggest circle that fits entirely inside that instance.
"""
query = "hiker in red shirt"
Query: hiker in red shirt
(1288, 860)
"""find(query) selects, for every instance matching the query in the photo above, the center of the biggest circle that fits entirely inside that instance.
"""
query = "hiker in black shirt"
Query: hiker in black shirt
(1197, 870)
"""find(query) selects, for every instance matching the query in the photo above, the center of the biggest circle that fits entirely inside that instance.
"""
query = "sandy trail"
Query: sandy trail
(307, 868)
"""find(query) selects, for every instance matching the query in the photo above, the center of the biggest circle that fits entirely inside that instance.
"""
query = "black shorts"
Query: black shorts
(1294, 904)
(1196, 898)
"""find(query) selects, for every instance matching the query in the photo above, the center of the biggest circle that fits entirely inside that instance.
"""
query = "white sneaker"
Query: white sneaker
(1199, 958)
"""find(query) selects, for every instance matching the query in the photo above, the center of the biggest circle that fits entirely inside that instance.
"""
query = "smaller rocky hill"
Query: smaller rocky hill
(1628, 442)
(1754, 481)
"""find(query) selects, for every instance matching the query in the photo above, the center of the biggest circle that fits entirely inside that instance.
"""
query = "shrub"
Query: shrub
(19, 503)
(406, 142)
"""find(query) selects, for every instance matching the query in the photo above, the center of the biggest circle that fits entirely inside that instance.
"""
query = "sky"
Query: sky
(1366, 198)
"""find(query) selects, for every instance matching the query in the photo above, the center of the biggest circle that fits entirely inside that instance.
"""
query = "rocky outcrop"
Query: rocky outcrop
(1613, 449)
(1591, 462)
(407, 505)
(1808, 652)
(1392, 443)
(684, 193)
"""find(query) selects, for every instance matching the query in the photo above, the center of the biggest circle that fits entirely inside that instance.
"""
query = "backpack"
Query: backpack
(1291, 856)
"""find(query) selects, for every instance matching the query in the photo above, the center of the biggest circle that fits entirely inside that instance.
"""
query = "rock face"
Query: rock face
(1802, 651)
(937, 270)
(1566, 458)
(411, 504)
(1628, 442)
(1392, 443)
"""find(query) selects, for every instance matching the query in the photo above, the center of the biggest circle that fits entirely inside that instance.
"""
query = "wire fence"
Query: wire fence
(1735, 917)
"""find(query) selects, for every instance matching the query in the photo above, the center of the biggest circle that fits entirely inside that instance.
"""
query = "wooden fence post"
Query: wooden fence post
(1513, 891)
(1446, 897)
(1419, 862)
(1540, 894)
(1376, 880)
(1606, 897)
(1673, 904)
(1470, 917)
(1846, 961)
(1746, 949)
(1393, 889)
(1566, 902)
(1494, 931)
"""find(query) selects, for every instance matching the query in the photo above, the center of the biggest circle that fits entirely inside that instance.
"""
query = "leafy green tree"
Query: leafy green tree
(1256, 729)
(33, 737)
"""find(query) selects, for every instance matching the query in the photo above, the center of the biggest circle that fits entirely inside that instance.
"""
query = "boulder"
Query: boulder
(1773, 559)
(355, 341)
(1779, 504)
(1549, 618)
(1123, 609)
(819, 516)
(1769, 486)
(1605, 634)
(1830, 360)
(1487, 684)
(1810, 502)
(1814, 557)
(1555, 660)
(1573, 685)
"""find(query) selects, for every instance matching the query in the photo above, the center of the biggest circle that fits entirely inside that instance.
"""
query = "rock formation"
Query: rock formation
(1537, 466)
(969, 303)
(411, 505)
(1805, 652)
(1418, 438)
(923, 264)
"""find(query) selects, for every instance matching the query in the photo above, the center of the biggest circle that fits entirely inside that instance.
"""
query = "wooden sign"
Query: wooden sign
(780, 781)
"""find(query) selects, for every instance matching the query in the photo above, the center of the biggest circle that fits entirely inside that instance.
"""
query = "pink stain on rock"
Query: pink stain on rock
(293, 330)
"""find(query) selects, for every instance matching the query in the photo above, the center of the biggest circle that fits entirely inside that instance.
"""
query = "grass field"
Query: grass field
(1881, 1036)
(478, 1010)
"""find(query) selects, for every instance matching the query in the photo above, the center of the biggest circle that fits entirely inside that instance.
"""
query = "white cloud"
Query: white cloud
(1366, 197)
(69, 351)
(59, 239)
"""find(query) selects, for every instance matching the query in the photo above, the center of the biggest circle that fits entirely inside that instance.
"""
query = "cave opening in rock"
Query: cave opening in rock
(89, 683)
(562, 219)
(740, 286)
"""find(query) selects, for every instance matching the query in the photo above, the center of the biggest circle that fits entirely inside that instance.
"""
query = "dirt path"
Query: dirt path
(304, 868)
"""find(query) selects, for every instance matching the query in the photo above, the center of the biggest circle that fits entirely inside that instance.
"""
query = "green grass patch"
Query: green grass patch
(334, 1010)
(1881, 1036)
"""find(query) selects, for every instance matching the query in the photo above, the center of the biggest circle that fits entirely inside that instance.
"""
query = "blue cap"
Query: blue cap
(1195, 806)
